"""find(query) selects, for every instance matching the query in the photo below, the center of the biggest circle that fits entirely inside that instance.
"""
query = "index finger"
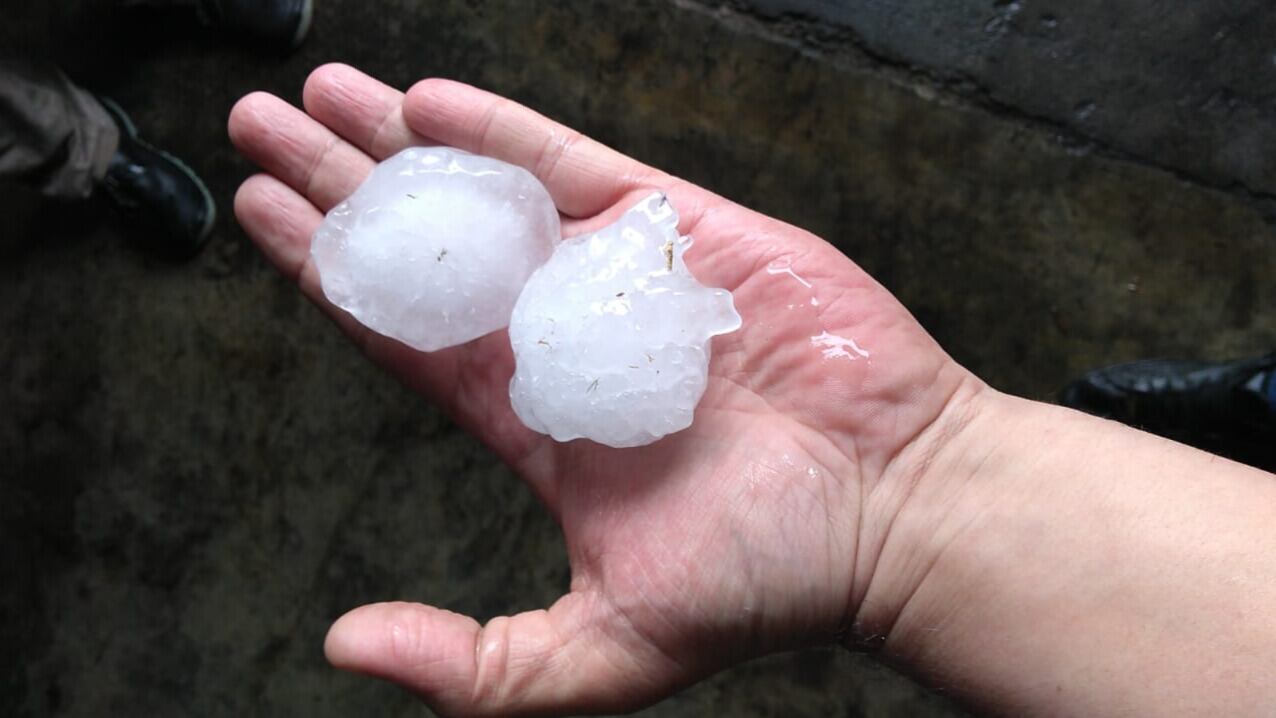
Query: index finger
(583, 176)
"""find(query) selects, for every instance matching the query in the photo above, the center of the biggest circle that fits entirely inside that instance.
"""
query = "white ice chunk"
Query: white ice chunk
(612, 335)
(434, 248)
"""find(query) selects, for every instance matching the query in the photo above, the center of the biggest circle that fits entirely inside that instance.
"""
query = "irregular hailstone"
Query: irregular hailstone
(611, 336)
(434, 248)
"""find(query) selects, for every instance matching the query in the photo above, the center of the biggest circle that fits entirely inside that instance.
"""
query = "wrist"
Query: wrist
(1033, 531)
(916, 503)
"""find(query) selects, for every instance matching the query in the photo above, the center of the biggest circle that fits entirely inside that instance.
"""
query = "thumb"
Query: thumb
(581, 655)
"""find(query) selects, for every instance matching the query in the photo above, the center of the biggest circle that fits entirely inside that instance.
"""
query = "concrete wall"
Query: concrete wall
(1190, 86)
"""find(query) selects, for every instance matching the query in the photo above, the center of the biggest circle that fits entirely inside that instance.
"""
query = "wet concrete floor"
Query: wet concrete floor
(199, 474)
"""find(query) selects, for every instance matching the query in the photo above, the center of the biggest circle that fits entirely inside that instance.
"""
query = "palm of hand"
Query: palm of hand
(742, 534)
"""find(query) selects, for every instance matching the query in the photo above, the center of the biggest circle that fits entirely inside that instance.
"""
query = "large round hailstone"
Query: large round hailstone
(434, 248)
(611, 336)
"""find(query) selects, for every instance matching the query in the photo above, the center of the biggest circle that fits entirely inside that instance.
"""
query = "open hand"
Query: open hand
(757, 529)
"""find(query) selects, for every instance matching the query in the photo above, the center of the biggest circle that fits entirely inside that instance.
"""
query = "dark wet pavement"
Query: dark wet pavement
(200, 474)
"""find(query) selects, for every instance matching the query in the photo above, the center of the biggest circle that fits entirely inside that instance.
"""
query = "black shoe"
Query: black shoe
(280, 25)
(1228, 407)
(158, 194)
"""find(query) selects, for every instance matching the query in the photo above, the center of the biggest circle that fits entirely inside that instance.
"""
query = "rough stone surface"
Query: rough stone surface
(435, 246)
(1190, 86)
(200, 474)
(612, 335)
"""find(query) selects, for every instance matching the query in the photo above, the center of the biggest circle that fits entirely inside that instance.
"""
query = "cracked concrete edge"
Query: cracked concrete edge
(840, 45)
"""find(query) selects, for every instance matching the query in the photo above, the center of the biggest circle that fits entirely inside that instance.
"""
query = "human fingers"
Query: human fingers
(365, 111)
(288, 143)
(278, 220)
(576, 657)
(469, 382)
(583, 176)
